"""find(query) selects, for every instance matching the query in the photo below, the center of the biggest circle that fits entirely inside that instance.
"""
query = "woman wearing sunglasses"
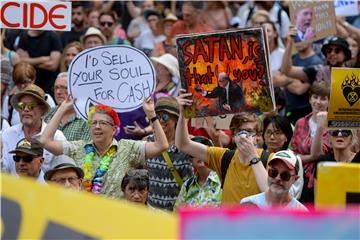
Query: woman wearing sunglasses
(283, 171)
(135, 186)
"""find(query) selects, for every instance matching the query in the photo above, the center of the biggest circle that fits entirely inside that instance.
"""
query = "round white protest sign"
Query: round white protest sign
(116, 76)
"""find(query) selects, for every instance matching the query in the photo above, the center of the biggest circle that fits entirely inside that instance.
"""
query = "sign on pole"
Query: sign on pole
(117, 76)
(227, 72)
(36, 15)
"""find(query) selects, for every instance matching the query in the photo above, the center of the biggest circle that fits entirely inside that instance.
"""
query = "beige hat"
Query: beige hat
(169, 18)
(170, 62)
(62, 162)
(32, 90)
(92, 31)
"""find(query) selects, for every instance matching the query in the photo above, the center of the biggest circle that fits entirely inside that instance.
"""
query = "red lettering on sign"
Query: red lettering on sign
(52, 15)
(3, 9)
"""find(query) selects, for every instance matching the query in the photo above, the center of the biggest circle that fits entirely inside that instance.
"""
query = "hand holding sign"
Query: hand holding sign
(116, 76)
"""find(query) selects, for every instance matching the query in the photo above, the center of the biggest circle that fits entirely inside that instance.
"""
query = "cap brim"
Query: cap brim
(288, 165)
(26, 151)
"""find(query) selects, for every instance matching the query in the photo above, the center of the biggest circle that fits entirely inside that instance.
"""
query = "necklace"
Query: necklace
(95, 183)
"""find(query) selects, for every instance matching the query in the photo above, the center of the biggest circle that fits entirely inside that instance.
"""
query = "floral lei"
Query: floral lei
(95, 183)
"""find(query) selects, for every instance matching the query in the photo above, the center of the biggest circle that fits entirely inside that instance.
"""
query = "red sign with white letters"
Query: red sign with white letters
(39, 15)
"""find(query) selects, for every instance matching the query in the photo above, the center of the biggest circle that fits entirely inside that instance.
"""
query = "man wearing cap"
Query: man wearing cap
(63, 171)
(31, 105)
(231, 96)
(164, 183)
(283, 171)
(92, 38)
(28, 159)
(72, 126)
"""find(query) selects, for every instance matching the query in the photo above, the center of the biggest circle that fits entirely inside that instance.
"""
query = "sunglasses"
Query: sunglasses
(344, 133)
(330, 50)
(165, 117)
(27, 159)
(108, 24)
(30, 106)
(284, 176)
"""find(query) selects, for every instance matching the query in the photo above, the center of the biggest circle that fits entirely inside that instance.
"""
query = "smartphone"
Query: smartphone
(130, 127)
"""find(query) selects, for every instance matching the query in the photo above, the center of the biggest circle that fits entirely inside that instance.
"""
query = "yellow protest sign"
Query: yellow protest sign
(30, 210)
(338, 184)
(344, 107)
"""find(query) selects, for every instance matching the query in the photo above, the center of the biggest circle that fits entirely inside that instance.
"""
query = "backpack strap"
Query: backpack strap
(189, 182)
(11, 110)
(264, 157)
(251, 11)
(225, 162)
(170, 165)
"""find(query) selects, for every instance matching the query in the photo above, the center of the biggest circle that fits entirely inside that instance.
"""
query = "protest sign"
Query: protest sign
(240, 223)
(221, 122)
(117, 76)
(227, 72)
(344, 106)
(338, 185)
(39, 15)
(346, 7)
(313, 20)
(30, 210)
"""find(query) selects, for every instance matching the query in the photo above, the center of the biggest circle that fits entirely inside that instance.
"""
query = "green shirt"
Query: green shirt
(130, 154)
(209, 194)
(75, 129)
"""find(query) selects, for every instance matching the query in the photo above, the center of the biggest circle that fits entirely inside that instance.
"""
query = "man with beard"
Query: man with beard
(303, 19)
(78, 21)
(283, 171)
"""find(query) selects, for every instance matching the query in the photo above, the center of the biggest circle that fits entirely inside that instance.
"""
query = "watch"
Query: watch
(254, 160)
(152, 120)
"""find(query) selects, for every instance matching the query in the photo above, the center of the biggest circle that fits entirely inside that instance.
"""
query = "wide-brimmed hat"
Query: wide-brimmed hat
(93, 31)
(167, 104)
(63, 162)
(32, 147)
(170, 62)
(338, 41)
(288, 157)
(32, 90)
(169, 18)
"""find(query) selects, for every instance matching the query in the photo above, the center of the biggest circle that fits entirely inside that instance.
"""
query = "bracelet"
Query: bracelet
(152, 120)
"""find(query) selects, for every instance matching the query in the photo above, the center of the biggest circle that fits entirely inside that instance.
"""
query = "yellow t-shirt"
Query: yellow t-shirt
(240, 180)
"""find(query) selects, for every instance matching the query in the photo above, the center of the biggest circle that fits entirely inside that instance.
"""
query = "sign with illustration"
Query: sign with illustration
(117, 76)
(313, 20)
(36, 15)
(344, 107)
(227, 72)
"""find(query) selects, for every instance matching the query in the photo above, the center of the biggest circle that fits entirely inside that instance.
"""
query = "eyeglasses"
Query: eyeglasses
(27, 159)
(71, 180)
(106, 24)
(30, 106)
(284, 176)
(330, 50)
(247, 132)
(165, 117)
(344, 133)
(101, 123)
(61, 88)
(141, 173)
(277, 133)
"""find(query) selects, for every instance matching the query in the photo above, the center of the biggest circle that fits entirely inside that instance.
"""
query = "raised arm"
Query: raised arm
(47, 137)
(153, 149)
(182, 139)
(316, 147)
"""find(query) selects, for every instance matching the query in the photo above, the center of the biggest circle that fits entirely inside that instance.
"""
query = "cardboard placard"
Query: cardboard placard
(314, 20)
(118, 76)
(30, 210)
(221, 122)
(346, 7)
(238, 56)
(338, 185)
(36, 15)
(344, 106)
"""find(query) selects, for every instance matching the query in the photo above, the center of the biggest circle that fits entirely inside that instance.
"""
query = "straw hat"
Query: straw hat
(92, 31)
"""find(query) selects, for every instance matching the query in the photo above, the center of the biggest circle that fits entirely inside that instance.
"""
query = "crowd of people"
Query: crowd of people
(152, 155)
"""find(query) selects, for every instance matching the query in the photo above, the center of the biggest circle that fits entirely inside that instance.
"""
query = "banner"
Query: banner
(36, 15)
(240, 223)
(344, 106)
(227, 72)
(338, 185)
(30, 210)
(118, 76)
(346, 7)
(313, 20)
